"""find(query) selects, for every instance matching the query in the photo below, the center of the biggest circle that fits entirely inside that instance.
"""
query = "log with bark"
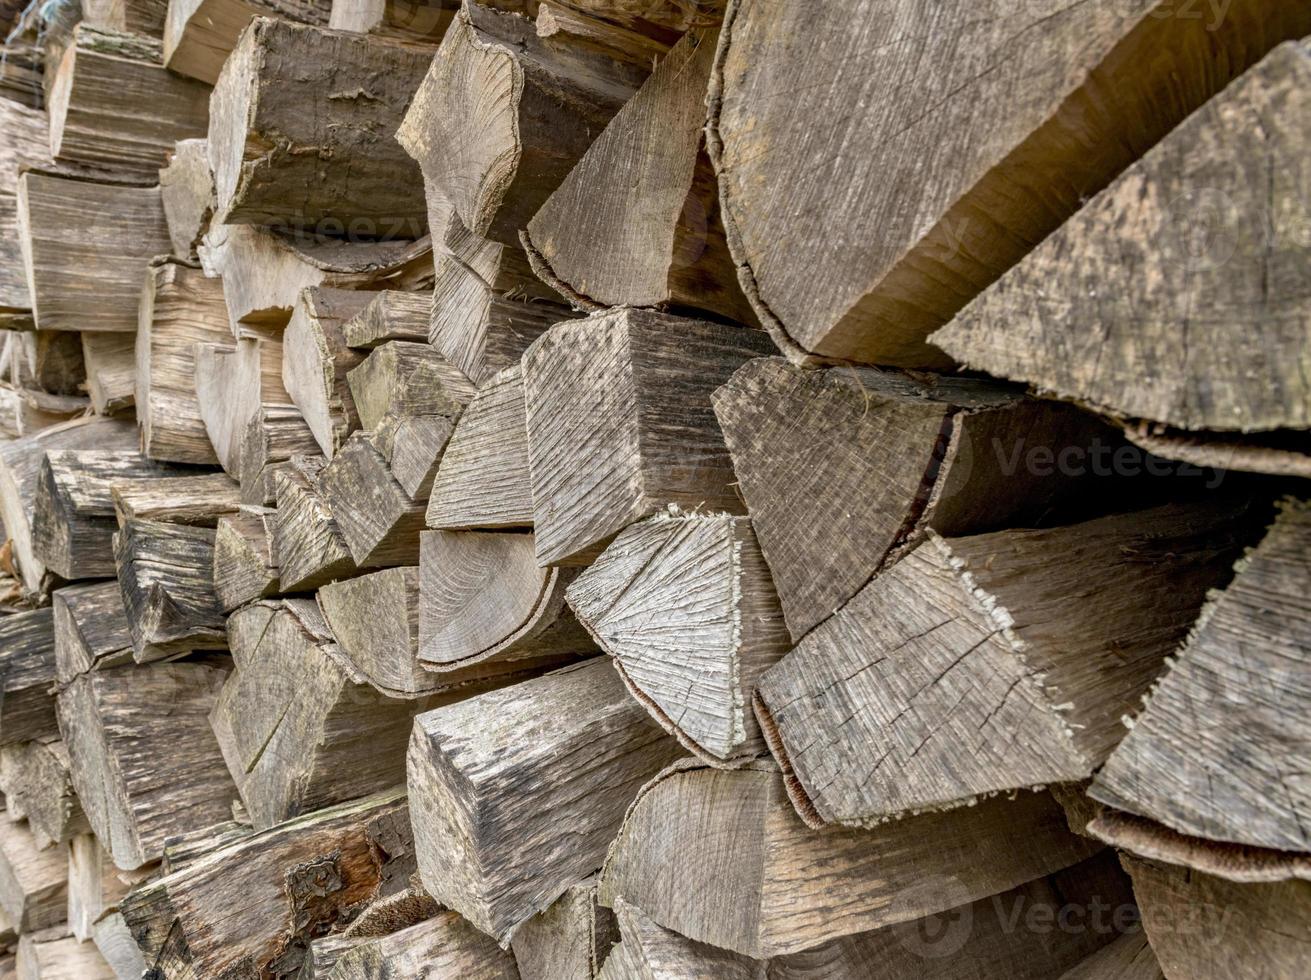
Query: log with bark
(316, 358)
(186, 189)
(91, 629)
(200, 34)
(27, 676)
(389, 315)
(244, 565)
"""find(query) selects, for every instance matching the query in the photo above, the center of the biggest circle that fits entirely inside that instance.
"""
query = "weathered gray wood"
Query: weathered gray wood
(145, 775)
(406, 379)
(87, 276)
(315, 360)
(1184, 261)
(503, 115)
(180, 308)
(166, 574)
(114, 106)
(198, 500)
(991, 663)
(389, 315)
(602, 245)
(620, 424)
(658, 18)
(232, 384)
(91, 630)
(322, 955)
(719, 856)
(111, 371)
(50, 956)
(445, 945)
(413, 447)
(360, 182)
(640, 42)
(200, 34)
(307, 543)
(36, 782)
(1217, 750)
(118, 946)
(27, 676)
(483, 479)
(485, 599)
(49, 362)
(33, 882)
(403, 21)
(1128, 958)
(244, 565)
(515, 794)
(24, 411)
(273, 436)
(129, 16)
(378, 520)
(686, 607)
(993, 132)
(95, 886)
(186, 188)
(567, 941)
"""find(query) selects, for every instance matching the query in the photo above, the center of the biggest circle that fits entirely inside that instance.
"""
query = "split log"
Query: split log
(685, 606)
(116, 747)
(405, 22)
(50, 361)
(87, 276)
(200, 34)
(483, 479)
(515, 794)
(841, 469)
(378, 520)
(232, 384)
(37, 782)
(95, 886)
(602, 245)
(389, 315)
(1196, 225)
(483, 598)
(658, 18)
(24, 411)
(186, 189)
(322, 955)
(620, 425)
(1018, 118)
(118, 946)
(51, 956)
(503, 115)
(596, 30)
(33, 882)
(73, 524)
(719, 856)
(91, 630)
(413, 447)
(127, 16)
(567, 941)
(487, 303)
(315, 360)
(254, 906)
(115, 107)
(198, 501)
(244, 566)
(405, 379)
(273, 436)
(1210, 755)
(15, 295)
(26, 142)
(111, 371)
(299, 729)
(1128, 958)
(180, 309)
(360, 182)
(27, 676)
(445, 945)
(307, 543)
(166, 574)
(991, 663)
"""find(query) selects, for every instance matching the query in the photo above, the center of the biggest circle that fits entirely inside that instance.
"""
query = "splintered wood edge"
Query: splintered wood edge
(542, 268)
(1219, 452)
(801, 801)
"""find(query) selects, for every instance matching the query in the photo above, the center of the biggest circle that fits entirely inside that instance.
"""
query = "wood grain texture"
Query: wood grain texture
(24, 411)
(483, 480)
(415, 22)
(118, 947)
(639, 42)
(567, 941)
(36, 782)
(413, 447)
(49, 362)
(307, 543)
(389, 315)
(378, 520)
(315, 360)
(1217, 751)
(43, 957)
(33, 882)
(197, 500)
(95, 886)
(686, 607)
(997, 128)
(721, 857)
(1128, 958)
(186, 189)
(245, 568)
(91, 629)
(400, 378)
(991, 663)
(232, 384)
(111, 371)
(200, 34)
(445, 945)
(1186, 257)
(570, 749)
(620, 424)
(27, 675)
(273, 437)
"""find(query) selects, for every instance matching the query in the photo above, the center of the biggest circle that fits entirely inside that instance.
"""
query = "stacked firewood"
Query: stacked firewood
(655, 489)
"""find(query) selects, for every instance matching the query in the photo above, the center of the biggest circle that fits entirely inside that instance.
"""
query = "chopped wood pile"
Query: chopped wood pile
(655, 490)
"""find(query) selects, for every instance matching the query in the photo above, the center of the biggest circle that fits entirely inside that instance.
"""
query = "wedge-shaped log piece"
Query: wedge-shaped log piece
(484, 598)
(602, 245)
(245, 907)
(111, 371)
(1199, 224)
(114, 106)
(315, 360)
(244, 566)
(95, 886)
(483, 479)
(570, 749)
(1214, 753)
(443, 946)
(503, 116)
(721, 857)
(641, 43)
(307, 543)
(33, 882)
(46, 956)
(406, 379)
(569, 940)
(91, 630)
(658, 18)
(134, 801)
(166, 572)
(412, 22)
(37, 783)
(232, 384)
(1128, 958)
(359, 181)
(487, 303)
(990, 663)
(73, 526)
(27, 676)
(620, 425)
(413, 447)
(379, 521)
(200, 34)
(685, 605)
(273, 436)
(389, 315)
(186, 188)
(87, 275)
(1201, 925)
(1021, 117)
(840, 468)
(198, 500)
